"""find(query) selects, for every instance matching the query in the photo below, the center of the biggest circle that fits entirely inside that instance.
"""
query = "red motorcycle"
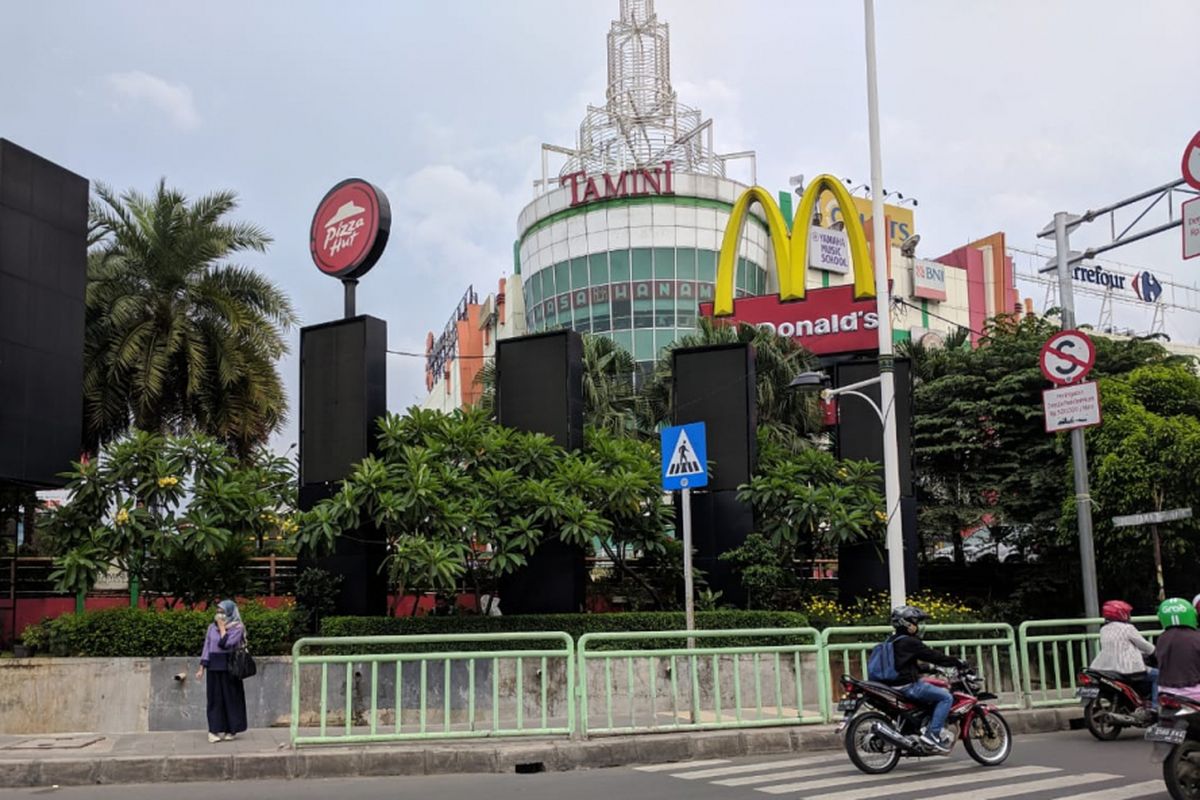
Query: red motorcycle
(1113, 701)
(891, 725)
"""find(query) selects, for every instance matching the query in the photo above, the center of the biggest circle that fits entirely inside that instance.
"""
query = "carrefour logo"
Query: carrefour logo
(1147, 287)
(1144, 284)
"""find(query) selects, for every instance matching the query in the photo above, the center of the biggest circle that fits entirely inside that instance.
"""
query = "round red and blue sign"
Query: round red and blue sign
(350, 229)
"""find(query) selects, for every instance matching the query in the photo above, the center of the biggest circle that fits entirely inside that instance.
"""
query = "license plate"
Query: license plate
(847, 705)
(1165, 734)
(1087, 692)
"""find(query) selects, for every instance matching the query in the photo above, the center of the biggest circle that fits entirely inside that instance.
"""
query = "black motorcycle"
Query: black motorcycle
(1113, 701)
(1176, 739)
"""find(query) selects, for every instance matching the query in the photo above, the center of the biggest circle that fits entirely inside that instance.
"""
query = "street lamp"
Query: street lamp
(819, 381)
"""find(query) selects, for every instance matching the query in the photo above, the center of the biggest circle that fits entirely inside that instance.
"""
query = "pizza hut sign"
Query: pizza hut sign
(350, 229)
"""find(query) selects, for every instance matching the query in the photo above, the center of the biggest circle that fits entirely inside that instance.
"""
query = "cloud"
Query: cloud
(173, 99)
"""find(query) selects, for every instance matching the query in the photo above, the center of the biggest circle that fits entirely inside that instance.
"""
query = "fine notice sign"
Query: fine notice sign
(1075, 406)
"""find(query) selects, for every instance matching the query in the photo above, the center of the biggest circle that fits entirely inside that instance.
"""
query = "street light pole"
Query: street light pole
(1083, 495)
(887, 376)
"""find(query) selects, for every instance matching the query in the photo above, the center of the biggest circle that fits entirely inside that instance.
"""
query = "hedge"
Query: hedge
(143, 633)
(576, 625)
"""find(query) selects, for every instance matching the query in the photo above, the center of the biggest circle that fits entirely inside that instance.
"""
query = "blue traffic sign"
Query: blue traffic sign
(684, 457)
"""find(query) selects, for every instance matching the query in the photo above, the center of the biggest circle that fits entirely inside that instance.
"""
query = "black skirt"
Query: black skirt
(226, 703)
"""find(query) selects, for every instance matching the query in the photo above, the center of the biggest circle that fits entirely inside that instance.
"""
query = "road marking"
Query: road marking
(681, 765)
(772, 777)
(859, 778)
(983, 775)
(1000, 792)
(1146, 789)
(761, 766)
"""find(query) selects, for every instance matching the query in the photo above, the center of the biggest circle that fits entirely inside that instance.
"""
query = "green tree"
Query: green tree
(463, 499)
(178, 338)
(1146, 457)
(178, 514)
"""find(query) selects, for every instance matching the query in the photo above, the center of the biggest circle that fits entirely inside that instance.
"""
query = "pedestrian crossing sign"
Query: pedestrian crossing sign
(684, 457)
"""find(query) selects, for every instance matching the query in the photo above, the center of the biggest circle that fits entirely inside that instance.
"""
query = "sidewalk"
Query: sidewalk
(86, 759)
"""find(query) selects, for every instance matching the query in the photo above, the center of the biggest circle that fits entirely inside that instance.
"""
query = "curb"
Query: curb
(468, 757)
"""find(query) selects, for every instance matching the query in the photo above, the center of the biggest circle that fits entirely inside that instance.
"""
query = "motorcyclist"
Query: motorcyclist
(1122, 648)
(1178, 649)
(909, 651)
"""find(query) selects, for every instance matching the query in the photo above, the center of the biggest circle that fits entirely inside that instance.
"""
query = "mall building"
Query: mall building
(623, 239)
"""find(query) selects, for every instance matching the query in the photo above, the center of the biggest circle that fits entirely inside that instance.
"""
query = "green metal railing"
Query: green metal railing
(505, 691)
(645, 681)
(1053, 651)
(991, 647)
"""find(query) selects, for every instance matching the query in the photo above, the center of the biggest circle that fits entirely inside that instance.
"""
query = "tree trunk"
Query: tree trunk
(625, 568)
(960, 555)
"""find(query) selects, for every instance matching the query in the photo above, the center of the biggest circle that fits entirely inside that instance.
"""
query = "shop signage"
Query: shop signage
(829, 250)
(350, 229)
(928, 280)
(900, 222)
(837, 319)
(1191, 228)
(628, 183)
(827, 321)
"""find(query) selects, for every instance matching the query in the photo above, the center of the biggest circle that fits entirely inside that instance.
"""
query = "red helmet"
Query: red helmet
(1117, 610)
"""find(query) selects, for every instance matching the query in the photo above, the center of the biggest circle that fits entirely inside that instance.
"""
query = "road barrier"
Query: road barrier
(990, 647)
(392, 688)
(645, 681)
(486, 685)
(1071, 644)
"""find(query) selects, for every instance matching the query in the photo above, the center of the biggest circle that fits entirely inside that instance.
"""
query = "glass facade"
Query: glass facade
(643, 298)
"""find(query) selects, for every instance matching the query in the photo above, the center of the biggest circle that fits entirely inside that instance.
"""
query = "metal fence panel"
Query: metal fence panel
(467, 686)
(647, 681)
(1053, 651)
(991, 647)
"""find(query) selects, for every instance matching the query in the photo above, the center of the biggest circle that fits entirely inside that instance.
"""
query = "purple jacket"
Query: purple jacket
(217, 646)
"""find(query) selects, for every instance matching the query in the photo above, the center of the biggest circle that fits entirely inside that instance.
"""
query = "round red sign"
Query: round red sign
(350, 229)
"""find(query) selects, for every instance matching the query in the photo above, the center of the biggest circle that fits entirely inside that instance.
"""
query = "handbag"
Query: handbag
(240, 663)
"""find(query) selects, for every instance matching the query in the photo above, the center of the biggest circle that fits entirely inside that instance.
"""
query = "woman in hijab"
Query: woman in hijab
(226, 695)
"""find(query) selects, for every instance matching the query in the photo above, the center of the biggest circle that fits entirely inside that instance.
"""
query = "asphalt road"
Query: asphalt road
(1065, 766)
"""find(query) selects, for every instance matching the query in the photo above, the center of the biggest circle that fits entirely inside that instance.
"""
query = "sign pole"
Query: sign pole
(689, 601)
(1083, 496)
(349, 285)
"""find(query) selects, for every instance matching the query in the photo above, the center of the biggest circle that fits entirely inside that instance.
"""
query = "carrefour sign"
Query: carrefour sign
(1144, 284)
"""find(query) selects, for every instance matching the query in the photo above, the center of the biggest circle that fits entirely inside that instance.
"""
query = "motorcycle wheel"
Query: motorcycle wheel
(1181, 771)
(989, 739)
(1103, 728)
(870, 753)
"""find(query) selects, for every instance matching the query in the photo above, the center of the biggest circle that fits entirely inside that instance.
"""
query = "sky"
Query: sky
(994, 115)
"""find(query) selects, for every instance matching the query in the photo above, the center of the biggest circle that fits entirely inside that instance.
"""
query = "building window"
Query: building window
(685, 263)
(664, 263)
(706, 266)
(562, 278)
(619, 264)
(598, 263)
(579, 273)
(643, 269)
(624, 340)
(643, 345)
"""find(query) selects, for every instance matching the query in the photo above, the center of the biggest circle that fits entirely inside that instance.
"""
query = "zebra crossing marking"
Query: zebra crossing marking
(818, 782)
(670, 765)
(922, 785)
(1016, 789)
(741, 769)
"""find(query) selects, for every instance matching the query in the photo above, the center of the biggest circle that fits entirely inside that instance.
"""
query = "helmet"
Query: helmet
(1177, 612)
(1116, 610)
(905, 616)
(1196, 602)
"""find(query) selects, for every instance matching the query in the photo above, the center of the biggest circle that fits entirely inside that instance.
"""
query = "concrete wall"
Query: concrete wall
(119, 695)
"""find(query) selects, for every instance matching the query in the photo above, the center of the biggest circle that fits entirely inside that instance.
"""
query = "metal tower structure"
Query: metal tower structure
(642, 123)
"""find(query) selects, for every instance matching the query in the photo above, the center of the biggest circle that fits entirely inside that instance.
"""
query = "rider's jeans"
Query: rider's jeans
(1152, 674)
(927, 693)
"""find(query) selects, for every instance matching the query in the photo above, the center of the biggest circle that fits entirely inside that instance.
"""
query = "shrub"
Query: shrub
(877, 610)
(576, 625)
(144, 633)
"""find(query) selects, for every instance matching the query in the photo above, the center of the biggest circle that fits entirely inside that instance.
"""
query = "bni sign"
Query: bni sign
(928, 280)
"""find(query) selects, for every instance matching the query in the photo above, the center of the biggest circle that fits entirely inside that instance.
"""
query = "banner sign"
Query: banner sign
(829, 250)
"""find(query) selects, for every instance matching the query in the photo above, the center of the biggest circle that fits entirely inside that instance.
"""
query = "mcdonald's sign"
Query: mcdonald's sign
(829, 320)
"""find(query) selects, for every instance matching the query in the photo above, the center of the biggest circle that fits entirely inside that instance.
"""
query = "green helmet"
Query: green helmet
(1175, 612)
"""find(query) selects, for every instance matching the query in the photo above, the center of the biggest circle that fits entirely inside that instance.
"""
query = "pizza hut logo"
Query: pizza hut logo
(349, 229)
(343, 228)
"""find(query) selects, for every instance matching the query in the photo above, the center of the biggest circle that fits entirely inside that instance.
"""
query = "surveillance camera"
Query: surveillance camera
(181, 676)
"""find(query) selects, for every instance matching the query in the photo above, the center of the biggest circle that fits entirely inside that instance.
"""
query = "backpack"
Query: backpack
(881, 664)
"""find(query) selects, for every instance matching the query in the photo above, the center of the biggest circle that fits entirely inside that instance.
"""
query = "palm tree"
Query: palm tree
(610, 400)
(785, 417)
(177, 337)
